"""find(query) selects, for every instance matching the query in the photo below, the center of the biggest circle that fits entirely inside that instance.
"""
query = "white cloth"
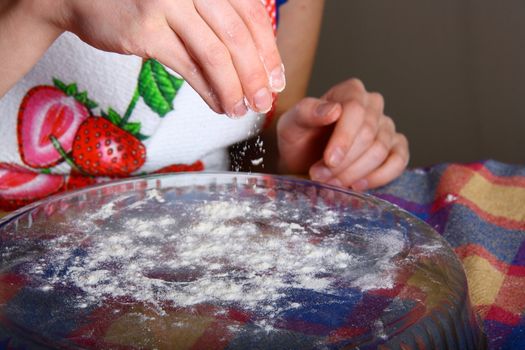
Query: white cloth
(191, 132)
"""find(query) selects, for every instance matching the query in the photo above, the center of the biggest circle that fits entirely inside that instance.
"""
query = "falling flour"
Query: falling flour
(257, 161)
(247, 149)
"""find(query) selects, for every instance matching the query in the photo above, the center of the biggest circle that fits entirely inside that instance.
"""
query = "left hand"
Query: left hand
(343, 139)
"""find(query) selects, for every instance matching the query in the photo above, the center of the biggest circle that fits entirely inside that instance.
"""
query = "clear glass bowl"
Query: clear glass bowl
(228, 261)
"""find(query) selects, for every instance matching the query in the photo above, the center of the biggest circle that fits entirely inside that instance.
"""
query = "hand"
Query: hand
(225, 49)
(343, 139)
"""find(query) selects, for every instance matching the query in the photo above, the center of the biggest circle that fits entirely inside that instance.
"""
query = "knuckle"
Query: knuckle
(190, 70)
(236, 32)
(377, 100)
(146, 8)
(355, 107)
(137, 45)
(389, 123)
(357, 83)
(403, 141)
(257, 14)
(216, 55)
(129, 46)
(380, 152)
(149, 52)
(142, 41)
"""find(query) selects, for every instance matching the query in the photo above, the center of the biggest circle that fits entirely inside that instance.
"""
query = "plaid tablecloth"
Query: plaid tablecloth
(479, 209)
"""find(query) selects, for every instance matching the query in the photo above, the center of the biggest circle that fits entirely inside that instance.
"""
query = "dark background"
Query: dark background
(452, 71)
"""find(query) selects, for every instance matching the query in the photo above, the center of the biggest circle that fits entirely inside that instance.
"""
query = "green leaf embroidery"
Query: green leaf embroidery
(158, 87)
(112, 116)
(82, 97)
(59, 84)
(141, 137)
(91, 104)
(71, 90)
(133, 127)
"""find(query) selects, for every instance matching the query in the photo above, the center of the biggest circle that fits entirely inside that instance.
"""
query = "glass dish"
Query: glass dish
(228, 261)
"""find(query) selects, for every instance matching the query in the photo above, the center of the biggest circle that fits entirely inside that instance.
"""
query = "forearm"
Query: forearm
(300, 25)
(297, 38)
(25, 35)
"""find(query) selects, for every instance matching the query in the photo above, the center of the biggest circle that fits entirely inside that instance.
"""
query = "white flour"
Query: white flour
(257, 161)
(250, 148)
(219, 252)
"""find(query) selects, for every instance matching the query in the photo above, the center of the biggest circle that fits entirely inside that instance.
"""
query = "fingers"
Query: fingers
(367, 136)
(344, 134)
(374, 157)
(391, 168)
(311, 113)
(358, 104)
(378, 163)
(225, 49)
(229, 27)
(351, 89)
(232, 43)
(256, 18)
(363, 150)
(378, 166)
(213, 57)
(172, 53)
(303, 131)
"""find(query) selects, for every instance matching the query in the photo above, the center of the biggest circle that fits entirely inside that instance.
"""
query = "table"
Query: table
(479, 208)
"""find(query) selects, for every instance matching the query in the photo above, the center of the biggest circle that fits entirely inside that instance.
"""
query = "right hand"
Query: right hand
(225, 49)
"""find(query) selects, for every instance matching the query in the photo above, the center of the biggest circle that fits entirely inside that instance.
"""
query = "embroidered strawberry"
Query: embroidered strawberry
(177, 168)
(106, 146)
(19, 187)
(101, 148)
(48, 111)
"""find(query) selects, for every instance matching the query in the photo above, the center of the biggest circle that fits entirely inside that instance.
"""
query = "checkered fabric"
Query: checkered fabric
(479, 209)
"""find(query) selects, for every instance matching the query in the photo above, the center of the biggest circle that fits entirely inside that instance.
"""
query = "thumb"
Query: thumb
(312, 113)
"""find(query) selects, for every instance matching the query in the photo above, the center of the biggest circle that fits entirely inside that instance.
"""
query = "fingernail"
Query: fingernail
(335, 182)
(263, 100)
(278, 79)
(320, 173)
(324, 109)
(336, 157)
(360, 185)
(239, 110)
